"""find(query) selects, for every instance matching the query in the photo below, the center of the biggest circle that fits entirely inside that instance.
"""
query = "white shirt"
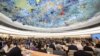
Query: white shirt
(6, 49)
(79, 46)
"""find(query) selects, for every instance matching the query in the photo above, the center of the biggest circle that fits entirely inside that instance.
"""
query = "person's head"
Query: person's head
(8, 43)
(87, 44)
(20, 45)
(98, 45)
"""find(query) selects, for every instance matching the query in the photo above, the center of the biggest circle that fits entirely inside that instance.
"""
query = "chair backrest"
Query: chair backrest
(59, 52)
(50, 50)
(89, 52)
(82, 53)
(71, 52)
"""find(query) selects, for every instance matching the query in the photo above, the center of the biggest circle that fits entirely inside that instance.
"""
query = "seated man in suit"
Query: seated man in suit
(97, 49)
(87, 47)
(16, 51)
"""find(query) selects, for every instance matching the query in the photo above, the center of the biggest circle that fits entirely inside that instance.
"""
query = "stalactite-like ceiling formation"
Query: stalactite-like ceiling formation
(49, 13)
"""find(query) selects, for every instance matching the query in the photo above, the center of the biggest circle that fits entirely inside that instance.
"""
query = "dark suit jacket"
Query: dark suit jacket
(72, 47)
(97, 45)
(86, 48)
(82, 53)
(52, 46)
(15, 52)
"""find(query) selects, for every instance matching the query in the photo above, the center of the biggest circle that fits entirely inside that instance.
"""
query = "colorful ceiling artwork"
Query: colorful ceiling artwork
(49, 13)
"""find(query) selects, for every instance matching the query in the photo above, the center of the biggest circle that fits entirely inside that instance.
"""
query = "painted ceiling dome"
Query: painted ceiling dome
(49, 13)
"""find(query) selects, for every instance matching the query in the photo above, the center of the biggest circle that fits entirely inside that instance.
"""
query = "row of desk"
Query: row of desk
(36, 53)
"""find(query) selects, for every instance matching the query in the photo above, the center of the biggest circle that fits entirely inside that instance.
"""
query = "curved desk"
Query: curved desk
(35, 53)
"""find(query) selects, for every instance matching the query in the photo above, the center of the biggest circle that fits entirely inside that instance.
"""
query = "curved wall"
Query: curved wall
(94, 20)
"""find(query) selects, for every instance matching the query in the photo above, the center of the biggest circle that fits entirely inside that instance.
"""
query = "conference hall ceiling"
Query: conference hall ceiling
(49, 13)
